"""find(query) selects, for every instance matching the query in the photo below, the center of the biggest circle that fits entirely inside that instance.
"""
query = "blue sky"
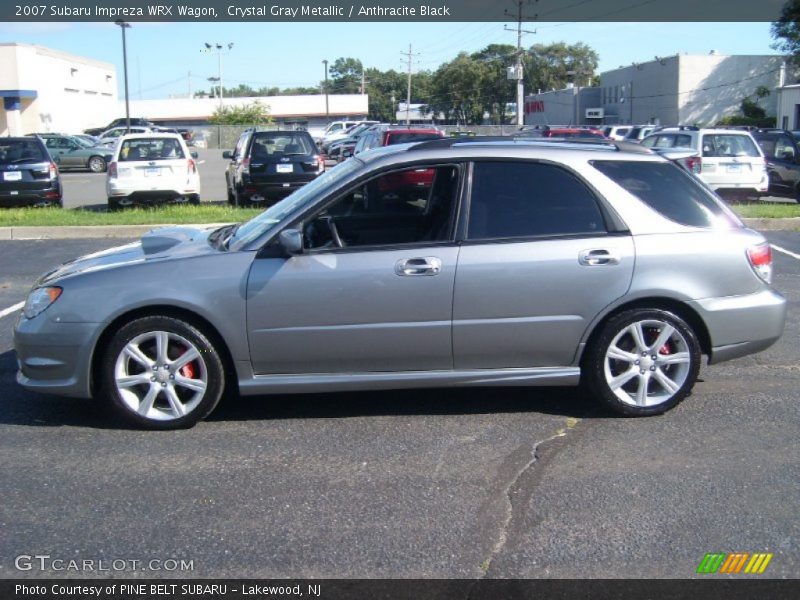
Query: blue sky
(161, 55)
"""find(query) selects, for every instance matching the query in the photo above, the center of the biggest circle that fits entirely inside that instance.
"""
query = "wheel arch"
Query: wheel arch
(677, 307)
(162, 310)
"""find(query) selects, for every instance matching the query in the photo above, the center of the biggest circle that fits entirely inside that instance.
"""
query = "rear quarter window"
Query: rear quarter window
(669, 190)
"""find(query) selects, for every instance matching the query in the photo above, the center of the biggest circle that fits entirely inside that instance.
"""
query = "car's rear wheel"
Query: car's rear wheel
(194, 199)
(162, 373)
(97, 164)
(644, 362)
(114, 204)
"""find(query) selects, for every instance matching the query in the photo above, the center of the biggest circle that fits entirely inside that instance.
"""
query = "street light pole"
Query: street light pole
(123, 25)
(327, 111)
(218, 49)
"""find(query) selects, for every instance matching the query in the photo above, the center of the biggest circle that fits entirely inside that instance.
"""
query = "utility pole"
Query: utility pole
(124, 25)
(410, 55)
(519, 67)
(189, 83)
(327, 110)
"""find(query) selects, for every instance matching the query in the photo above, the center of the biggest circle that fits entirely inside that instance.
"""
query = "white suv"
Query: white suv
(148, 167)
(728, 160)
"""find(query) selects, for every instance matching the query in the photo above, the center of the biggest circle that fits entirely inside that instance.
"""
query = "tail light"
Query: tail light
(112, 170)
(246, 165)
(53, 170)
(693, 164)
(191, 167)
(320, 163)
(760, 258)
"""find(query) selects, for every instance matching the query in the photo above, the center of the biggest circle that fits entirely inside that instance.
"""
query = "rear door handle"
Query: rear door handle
(424, 265)
(596, 257)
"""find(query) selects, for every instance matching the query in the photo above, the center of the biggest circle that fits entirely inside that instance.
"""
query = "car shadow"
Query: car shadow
(21, 407)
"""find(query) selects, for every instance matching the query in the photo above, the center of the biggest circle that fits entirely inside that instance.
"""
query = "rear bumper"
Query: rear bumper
(54, 358)
(742, 325)
(30, 197)
(162, 192)
(253, 190)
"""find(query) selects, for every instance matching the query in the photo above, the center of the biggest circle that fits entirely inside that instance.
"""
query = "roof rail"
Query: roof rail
(491, 139)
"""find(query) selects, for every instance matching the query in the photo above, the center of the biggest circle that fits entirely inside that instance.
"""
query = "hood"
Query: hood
(166, 243)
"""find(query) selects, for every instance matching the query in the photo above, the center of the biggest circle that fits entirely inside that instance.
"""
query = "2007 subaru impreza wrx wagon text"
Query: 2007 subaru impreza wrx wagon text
(441, 263)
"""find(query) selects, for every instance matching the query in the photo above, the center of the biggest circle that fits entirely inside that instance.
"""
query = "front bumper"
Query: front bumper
(742, 325)
(54, 357)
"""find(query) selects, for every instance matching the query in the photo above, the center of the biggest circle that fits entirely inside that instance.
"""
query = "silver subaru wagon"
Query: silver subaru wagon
(443, 263)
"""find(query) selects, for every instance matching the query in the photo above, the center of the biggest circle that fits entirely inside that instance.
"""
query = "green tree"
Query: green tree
(786, 31)
(249, 114)
(498, 89)
(456, 90)
(345, 76)
(553, 66)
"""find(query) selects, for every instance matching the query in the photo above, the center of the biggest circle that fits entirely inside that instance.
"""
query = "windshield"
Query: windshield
(277, 144)
(20, 151)
(150, 149)
(255, 227)
(82, 142)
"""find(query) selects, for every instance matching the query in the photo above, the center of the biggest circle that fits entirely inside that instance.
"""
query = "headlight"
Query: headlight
(39, 299)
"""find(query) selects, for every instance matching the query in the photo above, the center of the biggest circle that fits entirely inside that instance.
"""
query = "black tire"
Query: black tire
(677, 360)
(194, 199)
(97, 164)
(231, 198)
(114, 205)
(161, 411)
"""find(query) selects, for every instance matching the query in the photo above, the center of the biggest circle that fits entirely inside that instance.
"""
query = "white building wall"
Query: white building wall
(73, 92)
(712, 87)
(789, 107)
(641, 93)
(280, 107)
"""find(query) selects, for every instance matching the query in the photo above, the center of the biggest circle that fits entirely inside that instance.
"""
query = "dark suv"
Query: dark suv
(782, 151)
(28, 175)
(268, 165)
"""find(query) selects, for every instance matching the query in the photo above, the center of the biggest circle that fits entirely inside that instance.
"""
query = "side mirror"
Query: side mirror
(193, 155)
(227, 154)
(346, 153)
(291, 240)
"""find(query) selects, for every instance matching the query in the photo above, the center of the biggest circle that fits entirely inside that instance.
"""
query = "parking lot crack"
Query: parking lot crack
(511, 489)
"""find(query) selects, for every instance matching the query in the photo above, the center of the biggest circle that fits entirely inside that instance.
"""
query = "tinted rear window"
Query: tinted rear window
(21, 151)
(667, 189)
(150, 149)
(727, 144)
(407, 136)
(524, 199)
(276, 144)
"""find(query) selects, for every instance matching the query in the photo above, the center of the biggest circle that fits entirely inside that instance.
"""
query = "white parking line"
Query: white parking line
(785, 251)
(11, 309)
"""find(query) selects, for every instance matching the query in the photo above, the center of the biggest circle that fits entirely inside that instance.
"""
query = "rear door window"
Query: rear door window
(667, 189)
(729, 145)
(527, 199)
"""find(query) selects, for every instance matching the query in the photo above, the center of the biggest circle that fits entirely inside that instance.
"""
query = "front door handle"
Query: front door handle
(410, 267)
(599, 256)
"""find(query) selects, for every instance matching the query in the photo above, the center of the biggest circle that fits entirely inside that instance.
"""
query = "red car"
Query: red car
(574, 132)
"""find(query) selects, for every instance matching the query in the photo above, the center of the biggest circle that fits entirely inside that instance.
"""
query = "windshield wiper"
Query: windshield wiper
(230, 234)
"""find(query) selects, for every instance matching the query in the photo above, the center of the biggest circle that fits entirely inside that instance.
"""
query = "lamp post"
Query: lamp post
(327, 111)
(218, 49)
(123, 25)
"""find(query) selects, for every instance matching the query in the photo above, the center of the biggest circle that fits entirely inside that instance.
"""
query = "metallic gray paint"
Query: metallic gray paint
(495, 314)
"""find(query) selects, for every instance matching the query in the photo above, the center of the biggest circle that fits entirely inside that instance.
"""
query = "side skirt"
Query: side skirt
(341, 382)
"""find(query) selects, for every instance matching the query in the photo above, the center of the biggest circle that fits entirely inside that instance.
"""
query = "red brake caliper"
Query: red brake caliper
(188, 370)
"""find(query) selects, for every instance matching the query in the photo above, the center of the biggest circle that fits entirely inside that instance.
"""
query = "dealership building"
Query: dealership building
(48, 90)
(682, 89)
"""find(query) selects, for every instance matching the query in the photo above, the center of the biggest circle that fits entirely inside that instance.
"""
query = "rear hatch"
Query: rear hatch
(731, 159)
(278, 157)
(154, 163)
(25, 166)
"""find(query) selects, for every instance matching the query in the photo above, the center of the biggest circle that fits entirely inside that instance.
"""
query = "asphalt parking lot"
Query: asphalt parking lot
(495, 482)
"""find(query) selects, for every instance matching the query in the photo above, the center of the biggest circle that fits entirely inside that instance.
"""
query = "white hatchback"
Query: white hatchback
(151, 167)
(728, 160)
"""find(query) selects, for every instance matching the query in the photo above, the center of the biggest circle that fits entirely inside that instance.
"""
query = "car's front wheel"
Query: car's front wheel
(644, 362)
(162, 373)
